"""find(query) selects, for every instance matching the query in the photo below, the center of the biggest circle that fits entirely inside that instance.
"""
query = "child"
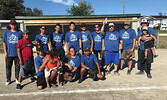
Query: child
(51, 67)
(26, 60)
(41, 83)
(147, 43)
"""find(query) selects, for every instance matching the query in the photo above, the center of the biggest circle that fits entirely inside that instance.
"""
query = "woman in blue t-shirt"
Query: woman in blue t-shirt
(10, 38)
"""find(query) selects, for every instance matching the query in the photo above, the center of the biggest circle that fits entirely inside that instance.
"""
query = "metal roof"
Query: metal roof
(75, 17)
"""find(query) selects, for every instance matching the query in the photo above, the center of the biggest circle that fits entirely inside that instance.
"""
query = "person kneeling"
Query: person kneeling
(90, 64)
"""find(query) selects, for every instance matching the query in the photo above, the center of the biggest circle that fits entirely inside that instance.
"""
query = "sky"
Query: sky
(101, 7)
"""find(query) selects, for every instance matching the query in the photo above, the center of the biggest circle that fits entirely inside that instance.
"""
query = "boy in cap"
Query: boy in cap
(90, 63)
(147, 43)
(41, 83)
(26, 60)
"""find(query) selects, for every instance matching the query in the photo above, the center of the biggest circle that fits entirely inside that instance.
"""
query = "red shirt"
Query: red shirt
(54, 60)
(26, 49)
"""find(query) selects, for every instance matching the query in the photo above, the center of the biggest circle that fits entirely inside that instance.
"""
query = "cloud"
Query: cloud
(67, 2)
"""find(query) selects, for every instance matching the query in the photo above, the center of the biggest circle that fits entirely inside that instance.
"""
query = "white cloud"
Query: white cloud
(67, 2)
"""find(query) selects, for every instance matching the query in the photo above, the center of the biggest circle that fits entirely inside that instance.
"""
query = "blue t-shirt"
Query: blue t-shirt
(11, 39)
(74, 62)
(89, 62)
(111, 40)
(73, 39)
(150, 31)
(43, 40)
(127, 36)
(38, 63)
(85, 39)
(57, 39)
(97, 40)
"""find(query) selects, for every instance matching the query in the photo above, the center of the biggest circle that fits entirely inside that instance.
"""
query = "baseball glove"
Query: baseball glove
(130, 55)
(67, 77)
(102, 54)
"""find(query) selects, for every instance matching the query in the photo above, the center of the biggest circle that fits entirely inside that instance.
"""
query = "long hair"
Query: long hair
(53, 53)
(69, 55)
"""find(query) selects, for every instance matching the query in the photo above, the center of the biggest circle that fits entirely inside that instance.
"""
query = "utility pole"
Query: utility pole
(123, 6)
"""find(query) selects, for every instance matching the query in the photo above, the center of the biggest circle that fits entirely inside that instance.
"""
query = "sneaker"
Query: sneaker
(140, 73)
(80, 80)
(149, 76)
(32, 79)
(155, 56)
(7, 83)
(129, 72)
(116, 73)
(18, 87)
(145, 57)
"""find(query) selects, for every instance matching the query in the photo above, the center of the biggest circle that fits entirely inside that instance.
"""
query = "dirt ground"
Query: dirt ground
(114, 87)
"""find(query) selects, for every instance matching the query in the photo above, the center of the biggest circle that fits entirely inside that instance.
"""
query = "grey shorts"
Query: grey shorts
(124, 52)
(27, 68)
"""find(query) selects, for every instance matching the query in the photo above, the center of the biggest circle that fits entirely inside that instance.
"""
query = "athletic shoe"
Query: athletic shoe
(80, 80)
(155, 56)
(149, 76)
(116, 73)
(7, 83)
(18, 87)
(140, 73)
(145, 57)
(129, 72)
(32, 79)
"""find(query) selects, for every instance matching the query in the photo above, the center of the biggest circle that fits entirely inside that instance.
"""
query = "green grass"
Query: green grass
(162, 42)
(1, 32)
(161, 31)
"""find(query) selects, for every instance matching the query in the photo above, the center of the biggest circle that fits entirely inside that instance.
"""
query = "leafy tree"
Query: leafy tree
(81, 9)
(28, 12)
(11, 8)
(37, 12)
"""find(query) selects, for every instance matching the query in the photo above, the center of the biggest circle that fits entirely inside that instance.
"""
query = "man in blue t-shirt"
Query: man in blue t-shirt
(43, 38)
(86, 38)
(128, 36)
(141, 50)
(73, 38)
(57, 39)
(111, 44)
(89, 62)
(41, 83)
(10, 38)
(98, 40)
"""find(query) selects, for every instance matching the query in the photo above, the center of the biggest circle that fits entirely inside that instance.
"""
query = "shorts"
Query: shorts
(148, 44)
(27, 68)
(124, 52)
(47, 73)
(111, 57)
(141, 55)
(41, 81)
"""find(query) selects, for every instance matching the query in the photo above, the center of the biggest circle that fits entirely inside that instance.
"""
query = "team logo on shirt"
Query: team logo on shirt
(13, 39)
(84, 38)
(71, 63)
(97, 38)
(125, 35)
(44, 40)
(112, 37)
(57, 38)
(73, 37)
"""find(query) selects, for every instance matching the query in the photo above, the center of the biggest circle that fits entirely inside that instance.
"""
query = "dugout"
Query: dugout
(32, 23)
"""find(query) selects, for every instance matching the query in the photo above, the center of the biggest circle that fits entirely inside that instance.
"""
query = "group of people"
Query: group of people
(83, 52)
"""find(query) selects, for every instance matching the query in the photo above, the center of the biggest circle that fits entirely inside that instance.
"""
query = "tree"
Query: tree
(81, 9)
(37, 12)
(28, 12)
(11, 8)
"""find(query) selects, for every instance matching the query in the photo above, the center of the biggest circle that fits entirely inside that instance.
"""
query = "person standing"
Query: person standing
(57, 39)
(86, 38)
(111, 44)
(141, 50)
(10, 38)
(128, 37)
(43, 39)
(73, 38)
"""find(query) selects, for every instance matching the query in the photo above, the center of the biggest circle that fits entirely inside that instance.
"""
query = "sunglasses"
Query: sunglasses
(110, 26)
(43, 28)
(96, 26)
(83, 26)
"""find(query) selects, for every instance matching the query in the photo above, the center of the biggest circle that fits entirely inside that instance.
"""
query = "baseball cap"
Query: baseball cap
(111, 24)
(144, 20)
(127, 23)
(83, 25)
(86, 49)
(145, 28)
(13, 22)
(39, 48)
(27, 32)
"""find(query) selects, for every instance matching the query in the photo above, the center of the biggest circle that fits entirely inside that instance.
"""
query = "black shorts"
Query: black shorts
(141, 55)
(41, 81)
(148, 44)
